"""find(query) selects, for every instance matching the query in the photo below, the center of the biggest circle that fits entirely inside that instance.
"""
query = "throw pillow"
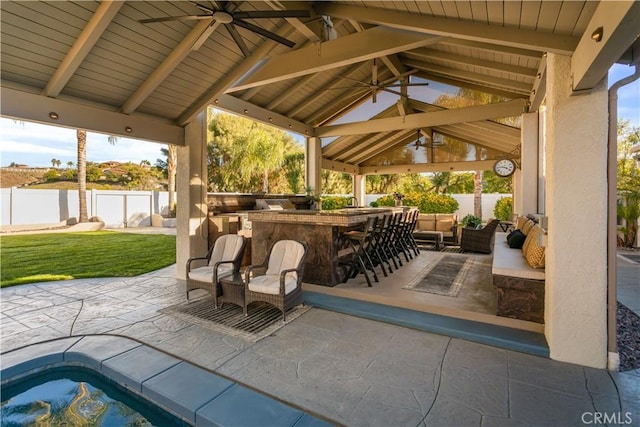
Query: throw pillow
(516, 240)
(511, 234)
(526, 228)
(521, 221)
(535, 252)
(530, 237)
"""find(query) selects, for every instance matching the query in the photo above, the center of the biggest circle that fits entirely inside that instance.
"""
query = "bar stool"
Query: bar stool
(359, 261)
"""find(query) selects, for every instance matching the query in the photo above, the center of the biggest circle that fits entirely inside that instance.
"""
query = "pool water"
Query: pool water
(76, 397)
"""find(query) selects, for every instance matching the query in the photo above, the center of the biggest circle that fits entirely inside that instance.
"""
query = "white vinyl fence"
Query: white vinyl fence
(122, 209)
(118, 209)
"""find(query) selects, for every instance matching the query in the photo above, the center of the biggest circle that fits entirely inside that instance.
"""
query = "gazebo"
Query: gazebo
(149, 69)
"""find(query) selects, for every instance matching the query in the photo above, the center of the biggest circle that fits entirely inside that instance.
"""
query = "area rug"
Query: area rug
(442, 276)
(262, 320)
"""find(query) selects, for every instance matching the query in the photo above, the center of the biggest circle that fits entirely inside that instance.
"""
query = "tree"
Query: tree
(628, 182)
(69, 164)
(172, 154)
(55, 162)
(294, 171)
(81, 136)
(246, 156)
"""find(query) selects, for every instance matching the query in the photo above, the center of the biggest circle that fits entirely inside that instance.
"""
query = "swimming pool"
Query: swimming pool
(192, 395)
(72, 395)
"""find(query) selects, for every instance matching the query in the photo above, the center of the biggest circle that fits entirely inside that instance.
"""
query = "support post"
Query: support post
(525, 188)
(576, 197)
(360, 189)
(313, 161)
(191, 183)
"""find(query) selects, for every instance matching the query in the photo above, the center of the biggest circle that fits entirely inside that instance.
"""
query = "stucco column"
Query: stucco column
(313, 161)
(360, 189)
(576, 203)
(525, 182)
(191, 186)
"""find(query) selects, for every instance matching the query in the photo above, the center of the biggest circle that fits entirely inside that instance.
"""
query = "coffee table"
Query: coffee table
(233, 289)
(435, 237)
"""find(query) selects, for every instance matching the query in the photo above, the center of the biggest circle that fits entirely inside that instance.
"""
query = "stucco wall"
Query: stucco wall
(576, 195)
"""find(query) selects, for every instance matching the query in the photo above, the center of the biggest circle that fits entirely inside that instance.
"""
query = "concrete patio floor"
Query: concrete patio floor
(350, 370)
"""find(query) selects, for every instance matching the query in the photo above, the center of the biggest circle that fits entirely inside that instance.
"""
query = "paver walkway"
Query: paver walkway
(354, 371)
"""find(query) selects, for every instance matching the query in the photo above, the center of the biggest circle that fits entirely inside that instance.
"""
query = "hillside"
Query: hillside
(10, 179)
(33, 179)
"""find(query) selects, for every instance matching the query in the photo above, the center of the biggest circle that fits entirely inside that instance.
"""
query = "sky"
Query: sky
(36, 145)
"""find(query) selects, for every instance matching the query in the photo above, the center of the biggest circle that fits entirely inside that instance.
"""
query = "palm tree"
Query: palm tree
(81, 135)
(69, 164)
(55, 162)
(171, 174)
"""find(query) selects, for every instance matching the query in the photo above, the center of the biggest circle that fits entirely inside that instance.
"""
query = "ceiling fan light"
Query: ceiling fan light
(223, 17)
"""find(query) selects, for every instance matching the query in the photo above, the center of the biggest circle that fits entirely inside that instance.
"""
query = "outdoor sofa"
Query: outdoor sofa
(518, 272)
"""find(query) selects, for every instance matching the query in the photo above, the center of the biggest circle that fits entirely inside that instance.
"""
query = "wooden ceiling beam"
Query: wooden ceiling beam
(415, 121)
(102, 17)
(347, 50)
(429, 167)
(505, 84)
(423, 53)
(468, 85)
(619, 23)
(221, 85)
(506, 36)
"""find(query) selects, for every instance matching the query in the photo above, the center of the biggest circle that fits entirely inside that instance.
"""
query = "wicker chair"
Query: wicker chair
(278, 280)
(223, 259)
(479, 240)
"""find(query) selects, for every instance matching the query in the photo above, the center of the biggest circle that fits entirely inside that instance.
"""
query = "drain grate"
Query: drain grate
(262, 319)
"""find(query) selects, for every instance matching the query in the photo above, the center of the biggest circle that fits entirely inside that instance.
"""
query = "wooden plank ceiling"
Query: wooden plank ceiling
(99, 54)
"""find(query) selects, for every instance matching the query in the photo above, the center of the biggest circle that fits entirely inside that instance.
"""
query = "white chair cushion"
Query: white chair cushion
(226, 248)
(285, 255)
(205, 274)
(270, 284)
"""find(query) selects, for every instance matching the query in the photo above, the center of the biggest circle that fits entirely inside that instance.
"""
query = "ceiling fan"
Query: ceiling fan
(374, 86)
(232, 18)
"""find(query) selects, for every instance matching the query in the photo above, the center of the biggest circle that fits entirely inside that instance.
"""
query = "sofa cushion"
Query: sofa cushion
(510, 262)
(516, 239)
(535, 253)
(521, 221)
(528, 225)
(444, 225)
(530, 237)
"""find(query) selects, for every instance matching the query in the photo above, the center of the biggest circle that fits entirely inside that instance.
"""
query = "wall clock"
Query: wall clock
(504, 167)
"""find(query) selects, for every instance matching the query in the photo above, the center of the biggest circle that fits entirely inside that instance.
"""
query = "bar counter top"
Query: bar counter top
(340, 217)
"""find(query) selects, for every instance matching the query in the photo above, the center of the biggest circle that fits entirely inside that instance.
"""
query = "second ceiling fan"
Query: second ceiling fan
(375, 85)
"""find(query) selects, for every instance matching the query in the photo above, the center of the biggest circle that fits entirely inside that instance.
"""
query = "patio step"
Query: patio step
(483, 333)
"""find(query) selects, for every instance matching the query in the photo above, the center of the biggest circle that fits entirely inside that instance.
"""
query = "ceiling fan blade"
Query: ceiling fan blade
(263, 32)
(406, 84)
(257, 14)
(175, 18)
(236, 37)
(393, 91)
(202, 7)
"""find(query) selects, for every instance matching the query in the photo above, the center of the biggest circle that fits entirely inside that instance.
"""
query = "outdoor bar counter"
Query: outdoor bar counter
(320, 229)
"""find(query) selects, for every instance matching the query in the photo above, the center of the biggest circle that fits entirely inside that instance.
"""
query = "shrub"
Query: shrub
(503, 208)
(330, 203)
(471, 221)
(425, 202)
(51, 175)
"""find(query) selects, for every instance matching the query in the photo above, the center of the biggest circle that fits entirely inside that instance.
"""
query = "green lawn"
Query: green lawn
(33, 258)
